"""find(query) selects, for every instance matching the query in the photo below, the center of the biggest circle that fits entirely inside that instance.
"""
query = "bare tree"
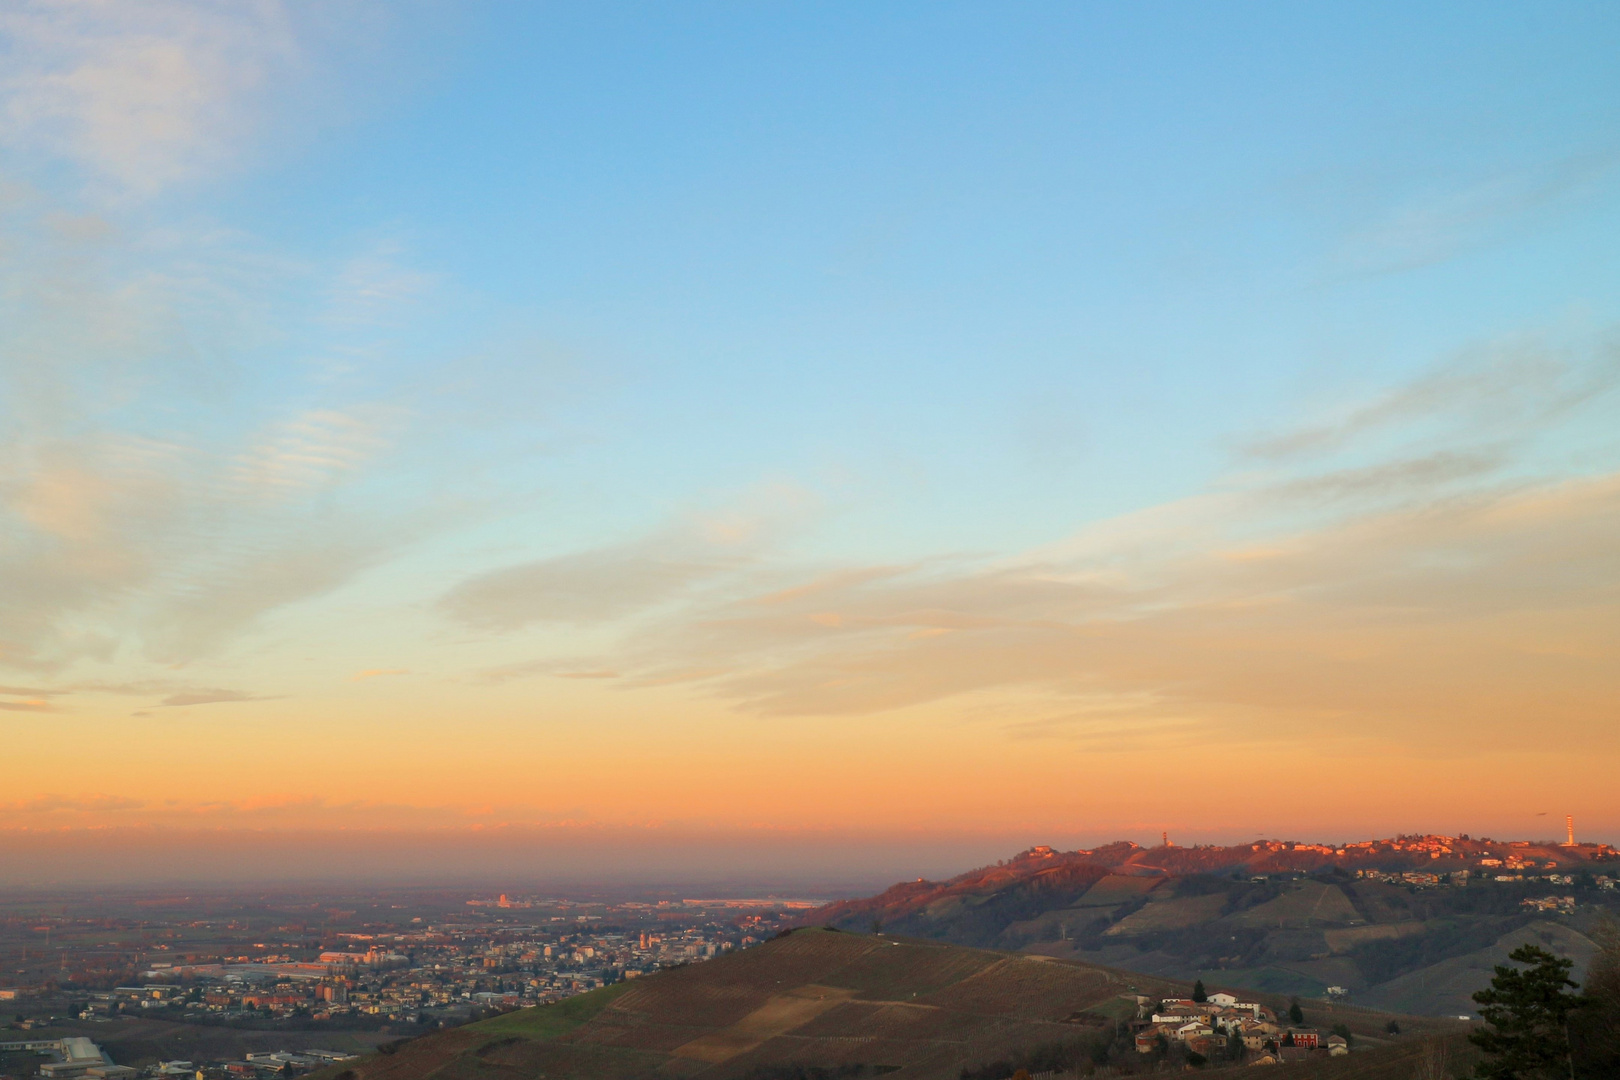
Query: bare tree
(1433, 1058)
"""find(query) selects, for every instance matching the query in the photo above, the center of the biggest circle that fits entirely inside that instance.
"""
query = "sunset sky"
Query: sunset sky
(803, 442)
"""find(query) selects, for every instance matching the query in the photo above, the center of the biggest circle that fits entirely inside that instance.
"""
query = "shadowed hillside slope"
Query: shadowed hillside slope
(815, 997)
(849, 1005)
(1412, 924)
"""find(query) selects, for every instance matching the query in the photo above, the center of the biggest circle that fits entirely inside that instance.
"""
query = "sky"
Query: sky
(799, 443)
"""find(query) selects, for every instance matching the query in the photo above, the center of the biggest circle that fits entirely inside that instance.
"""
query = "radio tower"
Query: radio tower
(1569, 824)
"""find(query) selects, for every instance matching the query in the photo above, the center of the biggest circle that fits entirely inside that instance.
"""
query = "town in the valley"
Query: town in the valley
(201, 987)
(222, 987)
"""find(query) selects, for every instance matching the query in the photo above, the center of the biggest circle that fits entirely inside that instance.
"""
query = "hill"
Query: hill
(1412, 923)
(815, 1004)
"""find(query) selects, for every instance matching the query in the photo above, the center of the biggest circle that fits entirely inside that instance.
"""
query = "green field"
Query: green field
(1310, 903)
(1118, 889)
(549, 1021)
(1169, 915)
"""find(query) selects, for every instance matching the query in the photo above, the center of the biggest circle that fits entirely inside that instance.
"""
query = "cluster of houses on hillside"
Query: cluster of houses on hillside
(1461, 878)
(1211, 1028)
(1421, 879)
(1562, 905)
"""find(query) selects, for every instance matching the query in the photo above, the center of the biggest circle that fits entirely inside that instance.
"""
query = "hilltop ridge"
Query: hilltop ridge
(1372, 919)
(1050, 868)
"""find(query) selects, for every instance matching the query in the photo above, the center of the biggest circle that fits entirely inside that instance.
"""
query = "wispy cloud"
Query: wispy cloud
(1496, 393)
(91, 810)
(131, 531)
(28, 705)
(557, 669)
(1420, 583)
(1442, 224)
(53, 804)
(141, 95)
(314, 448)
(584, 587)
(629, 579)
(1397, 617)
(375, 287)
(374, 673)
(179, 552)
(210, 696)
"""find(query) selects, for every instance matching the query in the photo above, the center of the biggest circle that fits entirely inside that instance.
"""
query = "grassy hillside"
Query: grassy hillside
(1304, 924)
(1403, 1060)
(1451, 982)
(848, 1005)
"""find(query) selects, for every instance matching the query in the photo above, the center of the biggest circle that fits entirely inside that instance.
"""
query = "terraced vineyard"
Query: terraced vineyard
(1288, 919)
(855, 1005)
(817, 996)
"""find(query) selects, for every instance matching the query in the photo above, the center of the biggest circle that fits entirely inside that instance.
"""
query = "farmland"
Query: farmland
(861, 1003)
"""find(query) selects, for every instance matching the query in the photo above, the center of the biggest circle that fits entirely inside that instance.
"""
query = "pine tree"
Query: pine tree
(1296, 1015)
(1528, 1012)
(1595, 1029)
(1199, 993)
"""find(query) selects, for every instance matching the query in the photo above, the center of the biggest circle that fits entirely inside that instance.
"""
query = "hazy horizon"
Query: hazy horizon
(507, 858)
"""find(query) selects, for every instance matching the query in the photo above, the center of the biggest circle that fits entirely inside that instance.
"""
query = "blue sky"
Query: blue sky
(997, 274)
(367, 366)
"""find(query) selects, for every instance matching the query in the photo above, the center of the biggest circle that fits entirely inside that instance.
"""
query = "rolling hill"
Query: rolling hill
(1386, 921)
(815, 1004)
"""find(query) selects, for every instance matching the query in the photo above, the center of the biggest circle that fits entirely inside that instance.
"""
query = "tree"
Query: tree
(1595, 1028)
(1344, 1032)
(1433, 1060)
(1528, 1012)
(1296, 1015)
(1393, 1028)
(1199, 993)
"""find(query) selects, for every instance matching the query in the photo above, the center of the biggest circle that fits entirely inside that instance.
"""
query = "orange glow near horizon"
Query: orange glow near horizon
(756, 438)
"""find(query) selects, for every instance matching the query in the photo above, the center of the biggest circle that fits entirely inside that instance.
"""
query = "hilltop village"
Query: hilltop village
(1425, 861)
(1409, 924)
